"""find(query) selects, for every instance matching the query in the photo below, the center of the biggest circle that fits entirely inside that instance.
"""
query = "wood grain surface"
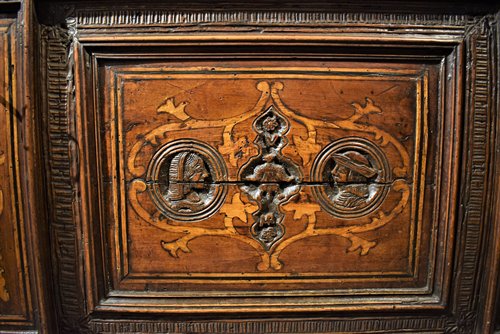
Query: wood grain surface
(14, 294)
(284, 170)
(376, 114)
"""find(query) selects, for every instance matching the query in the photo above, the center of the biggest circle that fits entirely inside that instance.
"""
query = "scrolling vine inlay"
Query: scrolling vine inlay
(350, 178)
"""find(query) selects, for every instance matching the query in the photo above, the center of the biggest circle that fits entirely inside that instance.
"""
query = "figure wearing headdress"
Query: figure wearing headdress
(351, 174)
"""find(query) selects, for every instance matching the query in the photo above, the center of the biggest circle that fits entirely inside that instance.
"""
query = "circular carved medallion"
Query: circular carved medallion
(356, 175)
(183, 180)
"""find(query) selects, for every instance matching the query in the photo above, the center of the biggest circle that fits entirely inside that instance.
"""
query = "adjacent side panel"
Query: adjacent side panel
(15, 303)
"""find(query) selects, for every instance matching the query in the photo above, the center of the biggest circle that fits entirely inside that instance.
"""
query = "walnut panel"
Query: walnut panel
(370, 230)
(14, 302)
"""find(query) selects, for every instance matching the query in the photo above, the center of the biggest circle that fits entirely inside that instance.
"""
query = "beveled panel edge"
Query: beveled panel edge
(115, 58)
(151, 309)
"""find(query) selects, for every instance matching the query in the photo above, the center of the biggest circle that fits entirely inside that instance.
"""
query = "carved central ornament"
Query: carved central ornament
(271, 179)
(349, 178)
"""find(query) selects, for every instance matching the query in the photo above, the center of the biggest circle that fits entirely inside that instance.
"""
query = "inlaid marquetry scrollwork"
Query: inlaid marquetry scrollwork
(309, 147)
(351, 232)
(153, 138)
(350, 178)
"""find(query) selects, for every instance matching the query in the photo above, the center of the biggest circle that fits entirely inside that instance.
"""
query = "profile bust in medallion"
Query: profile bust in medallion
(186, 180)
(187, 174)
(351, 175)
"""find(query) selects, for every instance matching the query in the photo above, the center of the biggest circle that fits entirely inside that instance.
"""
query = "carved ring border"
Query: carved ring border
(215, 165)
(381, 181)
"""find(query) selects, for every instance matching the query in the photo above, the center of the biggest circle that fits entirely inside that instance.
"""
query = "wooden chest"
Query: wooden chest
(229, 169)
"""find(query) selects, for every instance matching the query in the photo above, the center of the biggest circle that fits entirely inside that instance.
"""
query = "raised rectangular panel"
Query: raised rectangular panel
(259, 168)
(314, 178)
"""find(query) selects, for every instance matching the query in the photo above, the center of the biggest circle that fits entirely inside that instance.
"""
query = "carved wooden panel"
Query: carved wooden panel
(301, 175)
(256, 166)
(15, 308)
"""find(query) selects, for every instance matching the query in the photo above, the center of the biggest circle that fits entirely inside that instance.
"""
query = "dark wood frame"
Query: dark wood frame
(77, 32)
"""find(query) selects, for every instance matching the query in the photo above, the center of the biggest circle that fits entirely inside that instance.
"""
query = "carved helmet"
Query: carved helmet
(358, 165)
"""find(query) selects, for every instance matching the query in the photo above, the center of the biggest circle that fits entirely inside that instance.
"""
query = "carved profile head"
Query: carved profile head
(187, 171)
(351, 166)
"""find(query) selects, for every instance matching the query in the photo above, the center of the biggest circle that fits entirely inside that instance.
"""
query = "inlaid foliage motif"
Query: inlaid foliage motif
(187, 180)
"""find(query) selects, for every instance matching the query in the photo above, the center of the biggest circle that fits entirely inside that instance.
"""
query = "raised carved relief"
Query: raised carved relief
(183, 178)
(476, 51)
(350, 178)
(357, 173)
(271, 179)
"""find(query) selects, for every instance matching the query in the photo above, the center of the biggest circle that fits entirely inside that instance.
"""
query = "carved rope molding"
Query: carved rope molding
(57, 59)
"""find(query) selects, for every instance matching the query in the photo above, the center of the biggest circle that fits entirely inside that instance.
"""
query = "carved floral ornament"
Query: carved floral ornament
(187, 179)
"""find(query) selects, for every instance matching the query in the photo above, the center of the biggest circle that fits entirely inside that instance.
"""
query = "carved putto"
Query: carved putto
(272, 179)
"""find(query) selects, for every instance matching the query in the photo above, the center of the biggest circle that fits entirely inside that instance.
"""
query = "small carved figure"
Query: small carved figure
(186, 176)
(351, 174)
(267, 219)
(277, 177)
